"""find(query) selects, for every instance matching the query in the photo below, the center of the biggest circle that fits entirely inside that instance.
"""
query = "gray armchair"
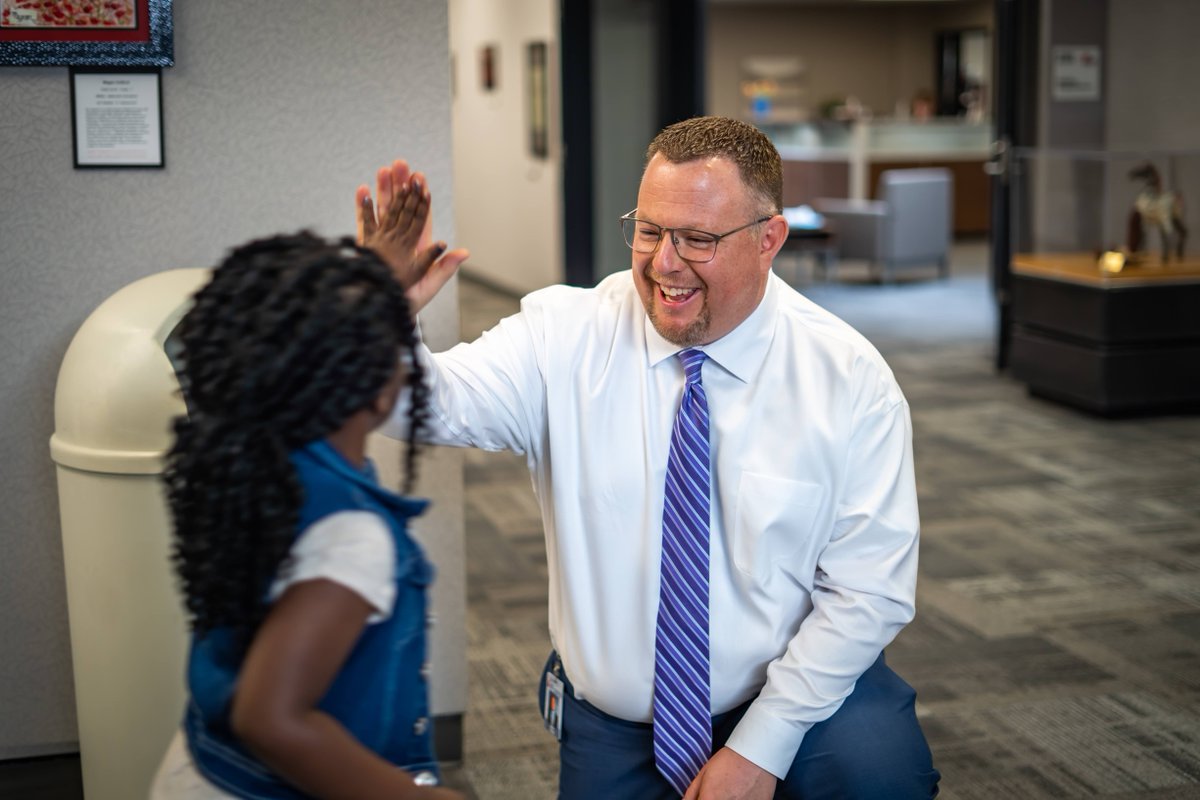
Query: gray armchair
(909, 225)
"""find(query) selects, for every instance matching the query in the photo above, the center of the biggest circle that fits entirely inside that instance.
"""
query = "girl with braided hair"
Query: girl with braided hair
(305, 592)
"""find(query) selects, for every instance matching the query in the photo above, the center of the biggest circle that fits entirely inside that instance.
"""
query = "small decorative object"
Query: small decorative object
(773, 89)
(1113, 261)
(1158, 209)
(922, 106)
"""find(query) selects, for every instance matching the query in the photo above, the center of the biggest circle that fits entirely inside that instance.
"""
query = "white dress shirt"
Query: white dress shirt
(814, 514)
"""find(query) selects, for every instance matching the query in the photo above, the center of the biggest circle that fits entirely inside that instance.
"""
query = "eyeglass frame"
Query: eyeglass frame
(717, 237)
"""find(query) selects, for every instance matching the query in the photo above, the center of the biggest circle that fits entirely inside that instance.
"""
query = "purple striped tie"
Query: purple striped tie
(682, 725)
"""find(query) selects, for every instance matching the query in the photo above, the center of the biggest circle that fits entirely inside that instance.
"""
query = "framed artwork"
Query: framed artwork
(116, 117)
(537, 102)
(487, 67)
(125, 33)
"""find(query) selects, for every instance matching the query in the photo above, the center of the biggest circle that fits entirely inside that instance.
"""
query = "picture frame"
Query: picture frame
(488, 58)
(116, 117)
(537, 102)
(119, 33)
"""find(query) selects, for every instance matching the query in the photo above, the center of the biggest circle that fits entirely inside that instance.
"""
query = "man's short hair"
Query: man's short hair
(746, 146)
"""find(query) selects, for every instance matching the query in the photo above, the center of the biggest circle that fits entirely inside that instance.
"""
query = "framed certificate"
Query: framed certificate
(116, 117)
(86, 32)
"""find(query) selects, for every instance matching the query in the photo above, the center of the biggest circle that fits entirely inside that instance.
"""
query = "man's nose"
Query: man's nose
(666, 258)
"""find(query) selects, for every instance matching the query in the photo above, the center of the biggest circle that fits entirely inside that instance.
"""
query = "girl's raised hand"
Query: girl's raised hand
(399, 230)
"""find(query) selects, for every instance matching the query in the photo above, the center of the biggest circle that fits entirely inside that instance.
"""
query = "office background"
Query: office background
(272, 118)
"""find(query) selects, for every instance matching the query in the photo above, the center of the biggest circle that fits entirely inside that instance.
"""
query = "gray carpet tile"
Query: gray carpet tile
(1056, 648)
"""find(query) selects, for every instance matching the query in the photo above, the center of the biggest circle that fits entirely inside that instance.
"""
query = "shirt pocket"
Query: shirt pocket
(775, 524)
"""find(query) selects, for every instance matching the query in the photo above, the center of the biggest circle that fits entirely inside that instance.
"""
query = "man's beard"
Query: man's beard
(694, 334)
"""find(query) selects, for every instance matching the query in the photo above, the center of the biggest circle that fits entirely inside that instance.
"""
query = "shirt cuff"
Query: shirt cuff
(766, 740)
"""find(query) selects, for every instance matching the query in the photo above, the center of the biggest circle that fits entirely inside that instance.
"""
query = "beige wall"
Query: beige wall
(877, 52)
(271, 120)
(508, 203)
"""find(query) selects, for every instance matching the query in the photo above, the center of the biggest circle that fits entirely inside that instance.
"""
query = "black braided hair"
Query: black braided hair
(291, 336)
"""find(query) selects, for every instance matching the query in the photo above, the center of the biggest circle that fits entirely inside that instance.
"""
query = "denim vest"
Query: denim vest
(380, 695)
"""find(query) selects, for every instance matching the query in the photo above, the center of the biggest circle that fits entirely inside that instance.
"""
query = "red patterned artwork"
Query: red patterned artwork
(88, 14)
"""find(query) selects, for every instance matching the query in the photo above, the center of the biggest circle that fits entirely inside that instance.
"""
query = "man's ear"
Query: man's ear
(775, 233)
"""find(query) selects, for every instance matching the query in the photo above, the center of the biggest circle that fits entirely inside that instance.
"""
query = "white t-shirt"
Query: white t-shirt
(351, 548)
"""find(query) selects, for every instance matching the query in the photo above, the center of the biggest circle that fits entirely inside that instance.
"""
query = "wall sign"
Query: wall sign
(1075, 73)
(117, 117)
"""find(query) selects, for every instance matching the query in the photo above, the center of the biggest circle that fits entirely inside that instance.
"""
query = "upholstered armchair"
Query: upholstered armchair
(908, 225)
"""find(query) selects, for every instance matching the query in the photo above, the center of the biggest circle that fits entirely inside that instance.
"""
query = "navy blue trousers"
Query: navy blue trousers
(872, 748)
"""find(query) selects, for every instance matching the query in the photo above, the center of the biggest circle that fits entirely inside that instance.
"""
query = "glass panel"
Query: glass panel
(1089, 202)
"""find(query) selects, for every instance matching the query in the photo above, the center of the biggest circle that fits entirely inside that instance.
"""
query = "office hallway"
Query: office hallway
(1056, 649)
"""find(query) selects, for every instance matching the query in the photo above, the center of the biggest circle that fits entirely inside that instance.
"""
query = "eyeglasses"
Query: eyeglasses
(691, 245)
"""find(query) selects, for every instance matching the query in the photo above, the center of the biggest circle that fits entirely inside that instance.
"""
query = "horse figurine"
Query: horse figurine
(1157, 208)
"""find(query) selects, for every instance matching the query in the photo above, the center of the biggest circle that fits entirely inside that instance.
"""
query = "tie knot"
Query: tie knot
(692, 360)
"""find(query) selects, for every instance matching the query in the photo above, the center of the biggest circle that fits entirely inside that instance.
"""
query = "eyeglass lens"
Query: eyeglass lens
(691, 245)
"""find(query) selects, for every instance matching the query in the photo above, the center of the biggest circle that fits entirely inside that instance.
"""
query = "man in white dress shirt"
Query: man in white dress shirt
(813, 517)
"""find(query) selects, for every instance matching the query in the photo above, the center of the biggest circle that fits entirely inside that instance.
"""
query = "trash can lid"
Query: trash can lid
(117, 391)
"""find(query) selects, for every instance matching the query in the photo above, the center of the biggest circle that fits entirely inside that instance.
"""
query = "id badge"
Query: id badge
(552, 712)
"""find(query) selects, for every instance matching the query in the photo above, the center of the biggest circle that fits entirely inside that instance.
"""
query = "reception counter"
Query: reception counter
(842, 159)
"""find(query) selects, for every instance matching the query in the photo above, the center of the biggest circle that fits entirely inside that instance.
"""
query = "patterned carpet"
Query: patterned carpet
(1056, 650)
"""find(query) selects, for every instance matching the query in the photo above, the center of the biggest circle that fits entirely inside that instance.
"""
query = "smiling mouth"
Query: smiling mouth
(671, 294)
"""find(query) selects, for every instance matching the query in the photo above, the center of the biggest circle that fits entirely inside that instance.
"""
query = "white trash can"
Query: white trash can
(117, 394)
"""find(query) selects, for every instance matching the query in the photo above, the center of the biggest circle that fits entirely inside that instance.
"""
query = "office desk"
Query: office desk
(819, 243)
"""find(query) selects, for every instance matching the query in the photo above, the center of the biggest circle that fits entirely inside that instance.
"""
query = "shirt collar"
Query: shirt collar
(739, 352)
(365, 477)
